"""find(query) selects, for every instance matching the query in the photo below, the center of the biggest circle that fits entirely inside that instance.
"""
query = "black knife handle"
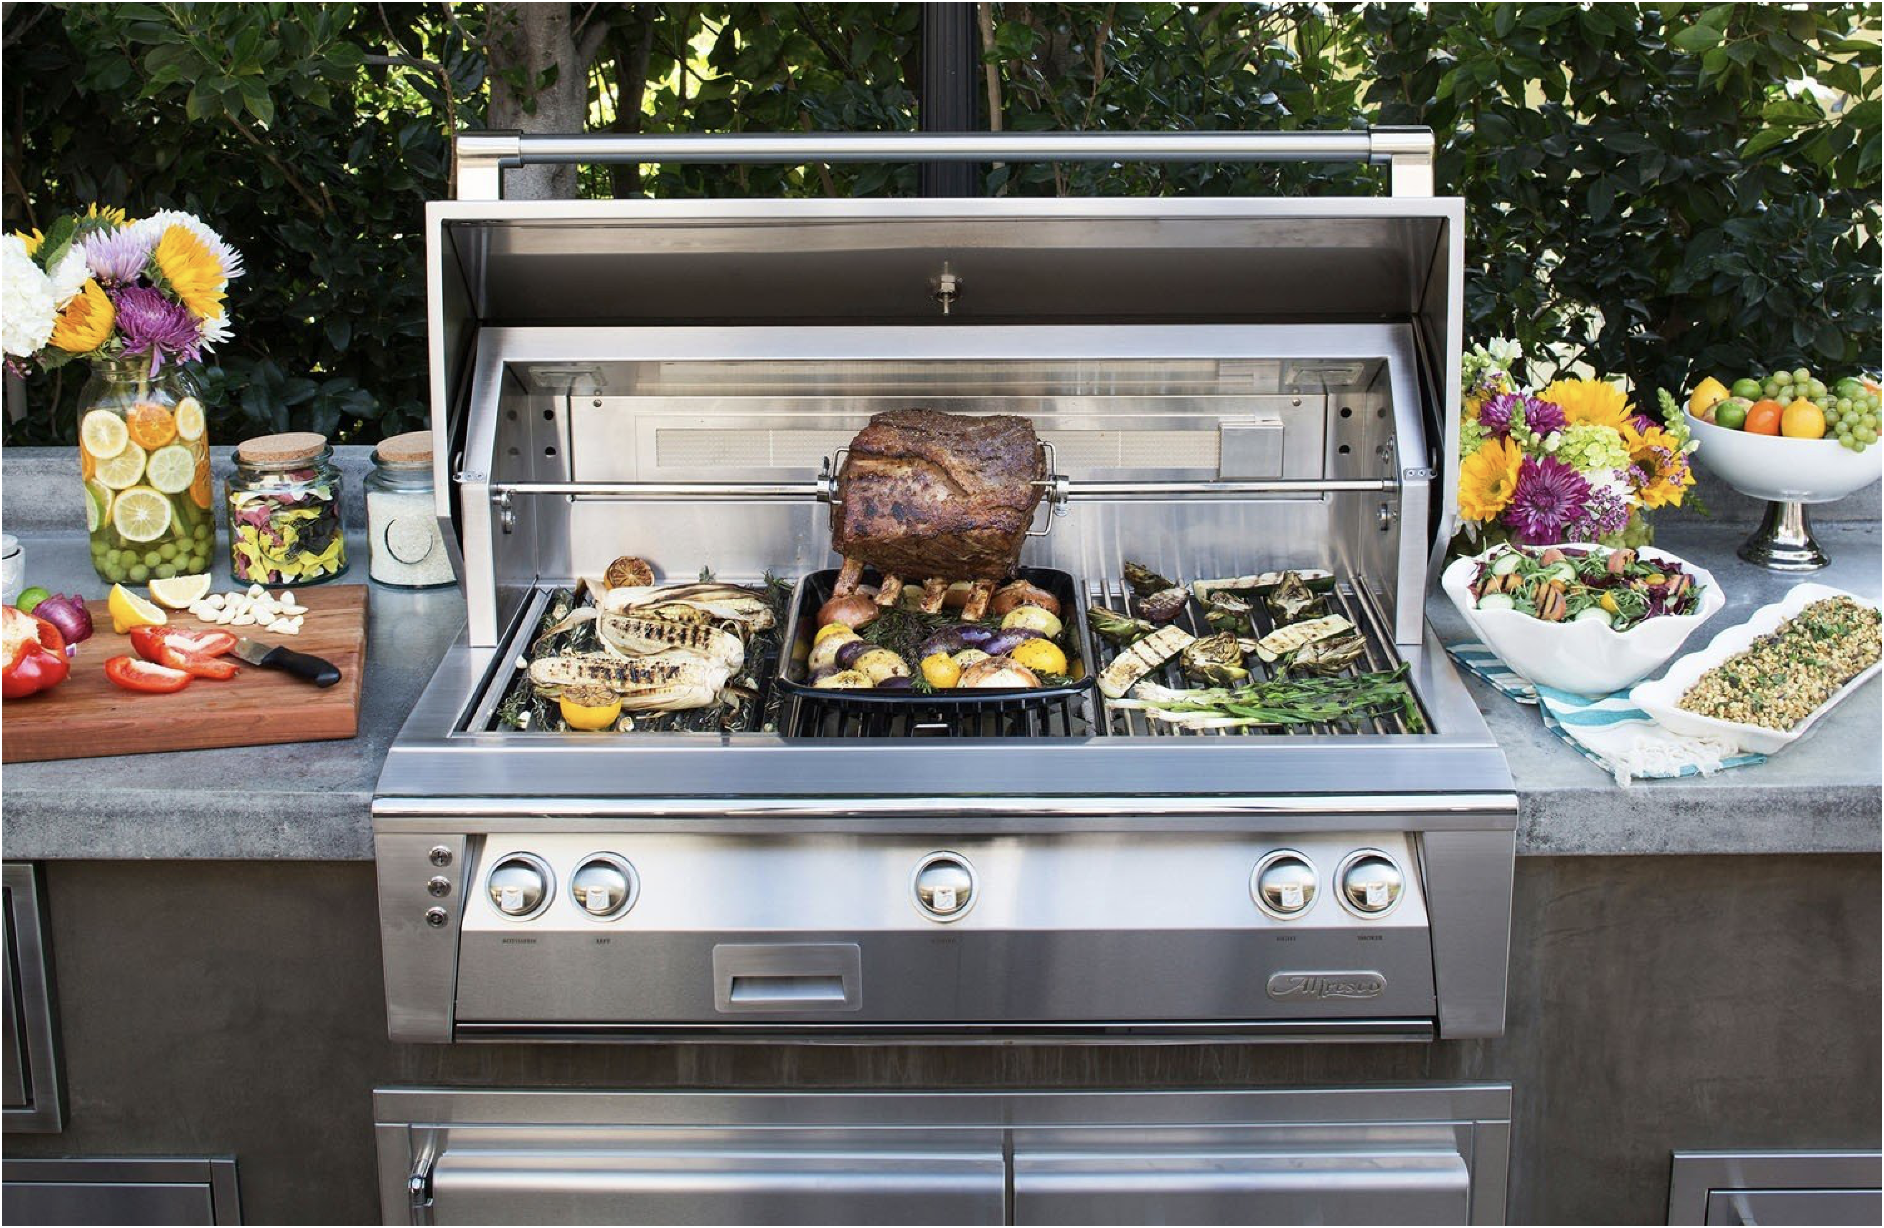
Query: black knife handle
(317, 670)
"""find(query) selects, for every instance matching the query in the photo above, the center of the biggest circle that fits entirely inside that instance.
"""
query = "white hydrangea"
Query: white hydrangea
(28, 308)
(152, 228)
(69, 276)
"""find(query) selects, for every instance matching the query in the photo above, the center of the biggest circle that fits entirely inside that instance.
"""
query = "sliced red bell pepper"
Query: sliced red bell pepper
(145, 676)
(32, 655)
(196, 655)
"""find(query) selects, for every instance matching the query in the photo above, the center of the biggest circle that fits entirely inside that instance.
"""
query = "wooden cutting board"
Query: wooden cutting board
(88, 715)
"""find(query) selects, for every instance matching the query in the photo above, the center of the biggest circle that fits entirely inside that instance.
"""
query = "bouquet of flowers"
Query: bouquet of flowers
(98, 285)
(1575, 461)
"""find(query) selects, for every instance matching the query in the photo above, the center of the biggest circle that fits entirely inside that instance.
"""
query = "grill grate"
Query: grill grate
(1079, 716)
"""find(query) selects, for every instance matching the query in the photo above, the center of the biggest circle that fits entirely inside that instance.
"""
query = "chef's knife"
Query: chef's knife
(317, 670)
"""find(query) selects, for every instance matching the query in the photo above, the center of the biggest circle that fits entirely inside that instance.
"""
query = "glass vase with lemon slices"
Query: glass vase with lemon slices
(144, 457)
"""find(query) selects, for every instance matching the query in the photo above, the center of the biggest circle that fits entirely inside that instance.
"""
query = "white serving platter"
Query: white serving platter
(1661, 697)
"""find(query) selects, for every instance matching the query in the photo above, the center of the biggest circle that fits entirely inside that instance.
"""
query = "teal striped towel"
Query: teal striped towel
(1608, 730)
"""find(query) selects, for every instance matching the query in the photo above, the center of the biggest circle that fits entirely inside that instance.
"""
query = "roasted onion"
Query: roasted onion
(856, 610)
(1019, 593)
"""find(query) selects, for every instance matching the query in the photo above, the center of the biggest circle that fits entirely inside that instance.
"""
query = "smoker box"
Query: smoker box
(1229, 385)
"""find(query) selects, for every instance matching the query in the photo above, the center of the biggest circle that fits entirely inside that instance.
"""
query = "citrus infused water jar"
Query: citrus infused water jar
(144, 455)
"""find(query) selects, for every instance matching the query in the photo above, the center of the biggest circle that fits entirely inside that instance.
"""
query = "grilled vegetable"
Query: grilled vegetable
(1003, 642)
(1328, 656)
(998, 673)
(1164, 605)
(1294, 701)
(1033, 618)
(634, 637)
(844, 680)
(880, 664)
(1214, 660)
(940, 672)
(1317, 580)
(824, 651)
(1227, 612)
(1018, 593)
(1285, 640)
(853, 611)
(725, 602)
(1141, 658)
(1145, 581)
(1292, 601)
(951, 640)
(1119, 628)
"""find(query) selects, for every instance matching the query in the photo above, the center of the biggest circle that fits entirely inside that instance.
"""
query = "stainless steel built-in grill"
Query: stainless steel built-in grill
(1228, 386)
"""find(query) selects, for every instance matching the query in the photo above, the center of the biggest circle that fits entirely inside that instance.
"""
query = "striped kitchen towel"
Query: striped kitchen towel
(1608, 730)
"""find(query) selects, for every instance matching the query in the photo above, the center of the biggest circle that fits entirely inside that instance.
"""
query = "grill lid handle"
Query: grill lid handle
(482, 157)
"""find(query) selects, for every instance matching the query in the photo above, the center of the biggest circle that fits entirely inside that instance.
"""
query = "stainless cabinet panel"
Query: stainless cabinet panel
(1776, 1187)
(610, 1176)
(54, 1202)
(33, 1096)
(1297, 1175)
(1794, 1207)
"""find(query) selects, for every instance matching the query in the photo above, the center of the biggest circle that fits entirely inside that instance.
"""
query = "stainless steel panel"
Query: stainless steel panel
(1775, 1186)
(626, 1175)
(1323, 1174)
(1169, 1156)
(1802, 1207)
(793, 976)
(131, 1190)
(1468, 898)
(418, 930)
(35, 1092)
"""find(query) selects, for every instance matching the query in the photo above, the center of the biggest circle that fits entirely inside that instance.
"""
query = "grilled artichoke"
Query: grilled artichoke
(1143, 580)
(1329, 656)
(1227, 612)
(1116, 627)
(1215, 660)
(1292, 601)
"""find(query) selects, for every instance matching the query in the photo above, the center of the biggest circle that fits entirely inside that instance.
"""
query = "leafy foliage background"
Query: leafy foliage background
(1657, 190)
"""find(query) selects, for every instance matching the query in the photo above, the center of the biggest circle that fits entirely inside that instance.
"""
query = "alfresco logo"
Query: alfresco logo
(1323, 985)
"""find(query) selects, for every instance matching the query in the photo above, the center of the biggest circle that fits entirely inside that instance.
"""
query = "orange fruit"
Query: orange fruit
(202, 490)
(151, 425)
(88, 464)
(1763, 418)
(1802, 420)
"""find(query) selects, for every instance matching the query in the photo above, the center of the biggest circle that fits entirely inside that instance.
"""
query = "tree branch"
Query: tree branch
(294, 181)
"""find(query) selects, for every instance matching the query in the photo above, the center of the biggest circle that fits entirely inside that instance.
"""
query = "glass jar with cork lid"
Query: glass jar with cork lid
(284, 511)
(405, 546)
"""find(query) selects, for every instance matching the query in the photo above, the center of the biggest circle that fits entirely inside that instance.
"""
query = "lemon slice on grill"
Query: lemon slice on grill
(171, 468)
(122, 470)
(141, 514)
(103, 433)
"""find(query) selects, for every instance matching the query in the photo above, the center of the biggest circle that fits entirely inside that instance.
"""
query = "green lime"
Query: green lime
(1731, 414)
(1748, 388)
(30, 597)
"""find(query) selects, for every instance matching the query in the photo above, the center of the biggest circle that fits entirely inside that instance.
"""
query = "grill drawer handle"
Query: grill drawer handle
(482, 157)
(787, 976)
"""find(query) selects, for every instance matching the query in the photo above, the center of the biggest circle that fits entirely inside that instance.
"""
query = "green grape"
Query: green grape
(1801, 376)
(1771, 390)
(165, 571)
(139, 574)
(1818, 387)
(153, 557)
(1843, 403)
(168, 551)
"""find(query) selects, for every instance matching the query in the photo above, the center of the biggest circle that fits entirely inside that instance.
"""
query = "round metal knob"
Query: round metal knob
(604, 886)
(1370, 883)
(1284, 884)
(519, 885)
(944, 885)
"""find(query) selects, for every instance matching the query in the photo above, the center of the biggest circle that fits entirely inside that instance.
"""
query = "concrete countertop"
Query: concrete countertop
(310, 801)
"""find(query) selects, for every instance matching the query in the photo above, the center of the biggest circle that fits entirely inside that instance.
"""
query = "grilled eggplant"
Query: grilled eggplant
(1164, 605)
(1214, 660)
(1296, 636)
(1292, 601)
(1141, 658)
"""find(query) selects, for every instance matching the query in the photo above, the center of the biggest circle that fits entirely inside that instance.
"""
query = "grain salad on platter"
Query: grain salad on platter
(1781, 679)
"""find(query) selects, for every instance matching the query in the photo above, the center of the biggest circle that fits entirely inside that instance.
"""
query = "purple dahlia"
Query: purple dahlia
(1549, 496)
(1495, 414)
(1543, 417)
(151, 323)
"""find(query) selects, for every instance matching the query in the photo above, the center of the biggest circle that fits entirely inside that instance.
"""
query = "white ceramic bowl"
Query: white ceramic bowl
(1584, 658)
(1789, 470)
(1662, 697)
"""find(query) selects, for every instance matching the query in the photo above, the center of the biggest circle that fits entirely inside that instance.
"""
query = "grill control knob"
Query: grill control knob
(520, 885)
(1283, 884)
(944, 885)
(604, 886)
(1370, 883)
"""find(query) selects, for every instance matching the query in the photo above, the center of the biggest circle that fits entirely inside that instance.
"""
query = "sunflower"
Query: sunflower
(1590, 402)
(1488, 478)
(108, 213)
(86, 322)
(191, 270)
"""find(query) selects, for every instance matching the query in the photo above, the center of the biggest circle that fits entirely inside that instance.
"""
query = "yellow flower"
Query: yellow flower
(1641, 444)
(1488, 478)
(192, 272)
(111, 213)
(1591, 402)
(32, 240)
(86, 322)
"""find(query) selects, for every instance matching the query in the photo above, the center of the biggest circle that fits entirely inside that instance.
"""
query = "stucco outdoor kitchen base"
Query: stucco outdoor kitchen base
(1656, 1003)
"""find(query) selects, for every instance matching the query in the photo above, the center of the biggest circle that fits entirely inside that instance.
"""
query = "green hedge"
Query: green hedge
(1663, 189)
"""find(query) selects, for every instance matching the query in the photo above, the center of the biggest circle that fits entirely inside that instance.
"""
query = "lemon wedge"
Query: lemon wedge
(129, 610)
(180, 592)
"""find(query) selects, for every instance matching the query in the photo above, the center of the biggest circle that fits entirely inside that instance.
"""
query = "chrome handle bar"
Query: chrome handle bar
(482, 157)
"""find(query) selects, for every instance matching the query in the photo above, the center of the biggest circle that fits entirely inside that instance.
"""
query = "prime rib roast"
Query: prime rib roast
(933, 497)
